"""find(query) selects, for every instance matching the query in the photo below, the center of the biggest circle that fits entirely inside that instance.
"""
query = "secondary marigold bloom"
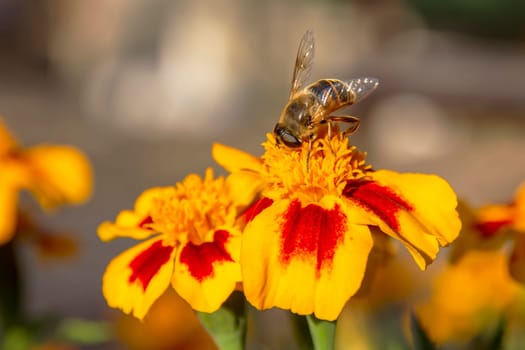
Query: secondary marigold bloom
(492, 218)
(306, 244)
(470, 297)
(54, 174)
(193, 243)
(506, 221)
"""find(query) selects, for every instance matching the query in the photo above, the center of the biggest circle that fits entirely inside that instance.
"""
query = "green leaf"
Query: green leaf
(420, 339)
(322, 333)
(78, 331)
(227, 326)
(490, 339)
(17, 338)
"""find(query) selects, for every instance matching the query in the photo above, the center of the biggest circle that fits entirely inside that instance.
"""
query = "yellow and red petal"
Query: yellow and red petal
(492, 218)
(206, 274)
(234, 160)
(417, 209)
(62, 175)
(134, 223)
(308, 258)
(253, 210)
(136, 278)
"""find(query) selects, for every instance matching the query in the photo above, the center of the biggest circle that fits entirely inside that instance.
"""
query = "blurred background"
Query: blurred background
(145, 86)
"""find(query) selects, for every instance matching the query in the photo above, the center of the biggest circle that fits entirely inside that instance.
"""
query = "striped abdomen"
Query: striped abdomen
(332, 94)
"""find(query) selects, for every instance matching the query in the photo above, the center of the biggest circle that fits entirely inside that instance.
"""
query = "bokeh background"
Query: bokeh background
(144, 87)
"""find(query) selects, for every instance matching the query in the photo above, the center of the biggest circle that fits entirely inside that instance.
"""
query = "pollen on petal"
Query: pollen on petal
(200, 258)
(311, 231)
(381, 200)
(145, 265)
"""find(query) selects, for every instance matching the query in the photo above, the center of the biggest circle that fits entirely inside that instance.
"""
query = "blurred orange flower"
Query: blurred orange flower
(492, 226)
(54, 174)
(492, 218)
(495, 219)
(470, 297)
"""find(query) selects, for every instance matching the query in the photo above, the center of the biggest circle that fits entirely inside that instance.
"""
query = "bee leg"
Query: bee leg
(308, 152)
(353, 121)
(330, 136)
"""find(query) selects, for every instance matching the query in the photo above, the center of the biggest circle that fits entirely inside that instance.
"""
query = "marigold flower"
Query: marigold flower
(470, 297)
(502, 221)
(195, 246)
(54, 174)
(492, 218)
(306, 244)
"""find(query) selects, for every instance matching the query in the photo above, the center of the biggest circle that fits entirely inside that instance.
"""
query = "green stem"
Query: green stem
(10, 292)
(322, 333)
(227, 326)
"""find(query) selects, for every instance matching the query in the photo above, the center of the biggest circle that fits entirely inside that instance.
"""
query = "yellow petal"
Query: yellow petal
(244, 187)
(233, 159)
(305, 258)
(206, 274)
(62, 175)
(8, 211)
(417, 209)
(136, 278)
(133, 223)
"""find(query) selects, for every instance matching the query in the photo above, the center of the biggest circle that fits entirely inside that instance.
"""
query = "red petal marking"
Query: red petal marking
(201, 258)
(311, 232)
(256, 208)
(381, 200)
(148, 263)
(489, 228)
(147, 220)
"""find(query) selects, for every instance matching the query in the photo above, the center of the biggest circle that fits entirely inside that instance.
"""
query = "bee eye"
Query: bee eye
(285, 136)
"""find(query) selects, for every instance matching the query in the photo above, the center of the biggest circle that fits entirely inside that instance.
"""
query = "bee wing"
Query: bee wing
(361, 87)
(303, 62)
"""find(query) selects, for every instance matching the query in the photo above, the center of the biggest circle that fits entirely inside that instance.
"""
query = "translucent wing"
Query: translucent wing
(303, 62)
(361, 87)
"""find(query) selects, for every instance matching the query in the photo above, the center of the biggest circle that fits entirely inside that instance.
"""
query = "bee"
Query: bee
(310, 107)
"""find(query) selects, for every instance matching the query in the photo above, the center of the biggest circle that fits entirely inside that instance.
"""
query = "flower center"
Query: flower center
(193, 209)
(331, 164)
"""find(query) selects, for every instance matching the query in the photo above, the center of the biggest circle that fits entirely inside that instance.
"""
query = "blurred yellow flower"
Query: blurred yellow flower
(492, 218)
(54, 174)
(507, 219)
(307, 240)
(195, 246)
(470, 297)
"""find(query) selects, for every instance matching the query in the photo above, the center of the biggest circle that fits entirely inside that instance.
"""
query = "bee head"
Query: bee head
(285, 136)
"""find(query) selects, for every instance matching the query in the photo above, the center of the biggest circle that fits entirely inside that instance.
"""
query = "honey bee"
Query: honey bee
(310, 107)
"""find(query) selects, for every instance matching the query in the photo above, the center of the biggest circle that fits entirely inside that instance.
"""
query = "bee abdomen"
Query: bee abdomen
(332, 94)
